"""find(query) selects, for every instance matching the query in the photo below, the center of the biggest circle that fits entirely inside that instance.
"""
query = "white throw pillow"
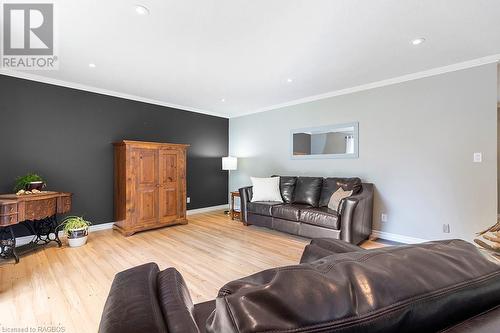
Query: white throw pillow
(337, 197)
(266, 189)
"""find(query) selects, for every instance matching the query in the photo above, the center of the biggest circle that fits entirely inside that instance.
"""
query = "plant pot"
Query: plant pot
(77, 237)
(39, 185)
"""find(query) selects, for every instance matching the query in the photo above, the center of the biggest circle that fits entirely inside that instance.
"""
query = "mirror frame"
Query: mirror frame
(327, 128)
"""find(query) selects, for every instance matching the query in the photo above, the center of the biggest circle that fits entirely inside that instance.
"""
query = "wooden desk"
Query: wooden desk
(234, 213)
(36, 212)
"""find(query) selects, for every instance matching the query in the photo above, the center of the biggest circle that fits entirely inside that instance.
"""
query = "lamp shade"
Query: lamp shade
(229, 163)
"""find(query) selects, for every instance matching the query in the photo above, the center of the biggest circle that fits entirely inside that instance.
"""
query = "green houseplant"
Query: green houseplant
(31, 181)
(76, 229)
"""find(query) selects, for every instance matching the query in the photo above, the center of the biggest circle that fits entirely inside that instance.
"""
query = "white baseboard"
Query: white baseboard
(109, 225)
(207, 209)
(396, 238)
(103, 226)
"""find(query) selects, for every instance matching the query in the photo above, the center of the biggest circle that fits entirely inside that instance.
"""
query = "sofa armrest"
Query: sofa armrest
(132, 304)
(176, 302)
(356, 216)
(324, 247)
(245, 197)
(336, 245)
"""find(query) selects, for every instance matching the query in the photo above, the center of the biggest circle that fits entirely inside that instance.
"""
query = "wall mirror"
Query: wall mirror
(334, 141)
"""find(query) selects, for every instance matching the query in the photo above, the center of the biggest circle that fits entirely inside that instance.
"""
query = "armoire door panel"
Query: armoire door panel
(169, 184)
(168, 166)
(147, 180)
(148, 167)
(148, 207)
(168, 204)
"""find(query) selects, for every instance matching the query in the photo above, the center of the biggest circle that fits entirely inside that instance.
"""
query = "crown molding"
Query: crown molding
(368, 86)
(78, 86)
(400, 79)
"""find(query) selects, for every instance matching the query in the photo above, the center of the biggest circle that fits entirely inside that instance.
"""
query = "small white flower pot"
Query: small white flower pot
(78, 237)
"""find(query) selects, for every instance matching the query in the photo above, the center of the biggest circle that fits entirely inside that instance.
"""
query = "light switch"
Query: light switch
(478, 157)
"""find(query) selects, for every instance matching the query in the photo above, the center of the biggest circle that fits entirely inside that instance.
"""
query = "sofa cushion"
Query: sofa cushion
(307, 191)
(287, 187)
(330, 185)
(486, 322)
(201, 313)
(417, 288)
(288, 212)
(262, 207)
(323, 217)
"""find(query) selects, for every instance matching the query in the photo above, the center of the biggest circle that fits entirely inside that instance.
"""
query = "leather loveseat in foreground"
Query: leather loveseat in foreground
(304, 210)
(445, 286)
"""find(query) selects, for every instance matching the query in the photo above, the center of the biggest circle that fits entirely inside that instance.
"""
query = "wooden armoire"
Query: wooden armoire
(149, 186)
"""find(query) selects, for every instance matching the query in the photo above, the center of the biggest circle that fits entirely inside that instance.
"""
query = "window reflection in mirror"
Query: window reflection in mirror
(335, 141)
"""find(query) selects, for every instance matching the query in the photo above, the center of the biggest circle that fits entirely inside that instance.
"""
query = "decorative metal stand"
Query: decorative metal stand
(8, 244)
(44, 231)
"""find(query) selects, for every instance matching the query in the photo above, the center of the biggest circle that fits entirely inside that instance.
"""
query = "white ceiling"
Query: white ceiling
(193, 53)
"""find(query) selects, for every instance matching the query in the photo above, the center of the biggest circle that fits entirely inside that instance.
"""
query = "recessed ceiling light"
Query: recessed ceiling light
(92, 65)
(289, 80)
(223, 100)
(141, 10)
(418, 41)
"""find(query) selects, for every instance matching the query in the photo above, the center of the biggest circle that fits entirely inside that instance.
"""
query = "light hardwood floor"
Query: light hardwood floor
(67, 287)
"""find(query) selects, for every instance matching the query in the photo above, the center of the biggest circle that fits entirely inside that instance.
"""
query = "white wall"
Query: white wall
(498, 138)
(417, 141)
(498, 84)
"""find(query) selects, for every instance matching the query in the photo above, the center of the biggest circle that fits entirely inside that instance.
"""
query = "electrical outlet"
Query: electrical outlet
(478, 157)
(446, 228)
(383, 217)
(188, 200)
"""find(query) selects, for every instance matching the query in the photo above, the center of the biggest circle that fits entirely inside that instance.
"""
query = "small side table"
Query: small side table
(234, 213)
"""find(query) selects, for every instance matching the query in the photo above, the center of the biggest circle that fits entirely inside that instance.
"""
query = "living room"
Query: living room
(286, 166)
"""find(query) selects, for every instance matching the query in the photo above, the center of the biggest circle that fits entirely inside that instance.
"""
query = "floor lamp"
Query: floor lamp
(229, 163)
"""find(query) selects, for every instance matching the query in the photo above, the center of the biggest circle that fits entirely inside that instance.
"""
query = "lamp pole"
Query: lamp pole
(229, 163)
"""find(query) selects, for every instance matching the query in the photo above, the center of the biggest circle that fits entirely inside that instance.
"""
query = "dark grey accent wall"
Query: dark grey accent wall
(66, 135)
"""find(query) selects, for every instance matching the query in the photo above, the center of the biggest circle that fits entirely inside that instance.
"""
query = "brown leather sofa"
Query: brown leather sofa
(304, 210)
(445, 286)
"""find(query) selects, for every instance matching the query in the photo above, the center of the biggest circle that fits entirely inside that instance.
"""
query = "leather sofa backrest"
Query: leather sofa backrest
(307, 191)
(287, 187)
(419, 288)
(330, 185)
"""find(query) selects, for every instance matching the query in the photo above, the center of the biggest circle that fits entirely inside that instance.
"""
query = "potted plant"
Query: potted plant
(29, 182)
(76, 229)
